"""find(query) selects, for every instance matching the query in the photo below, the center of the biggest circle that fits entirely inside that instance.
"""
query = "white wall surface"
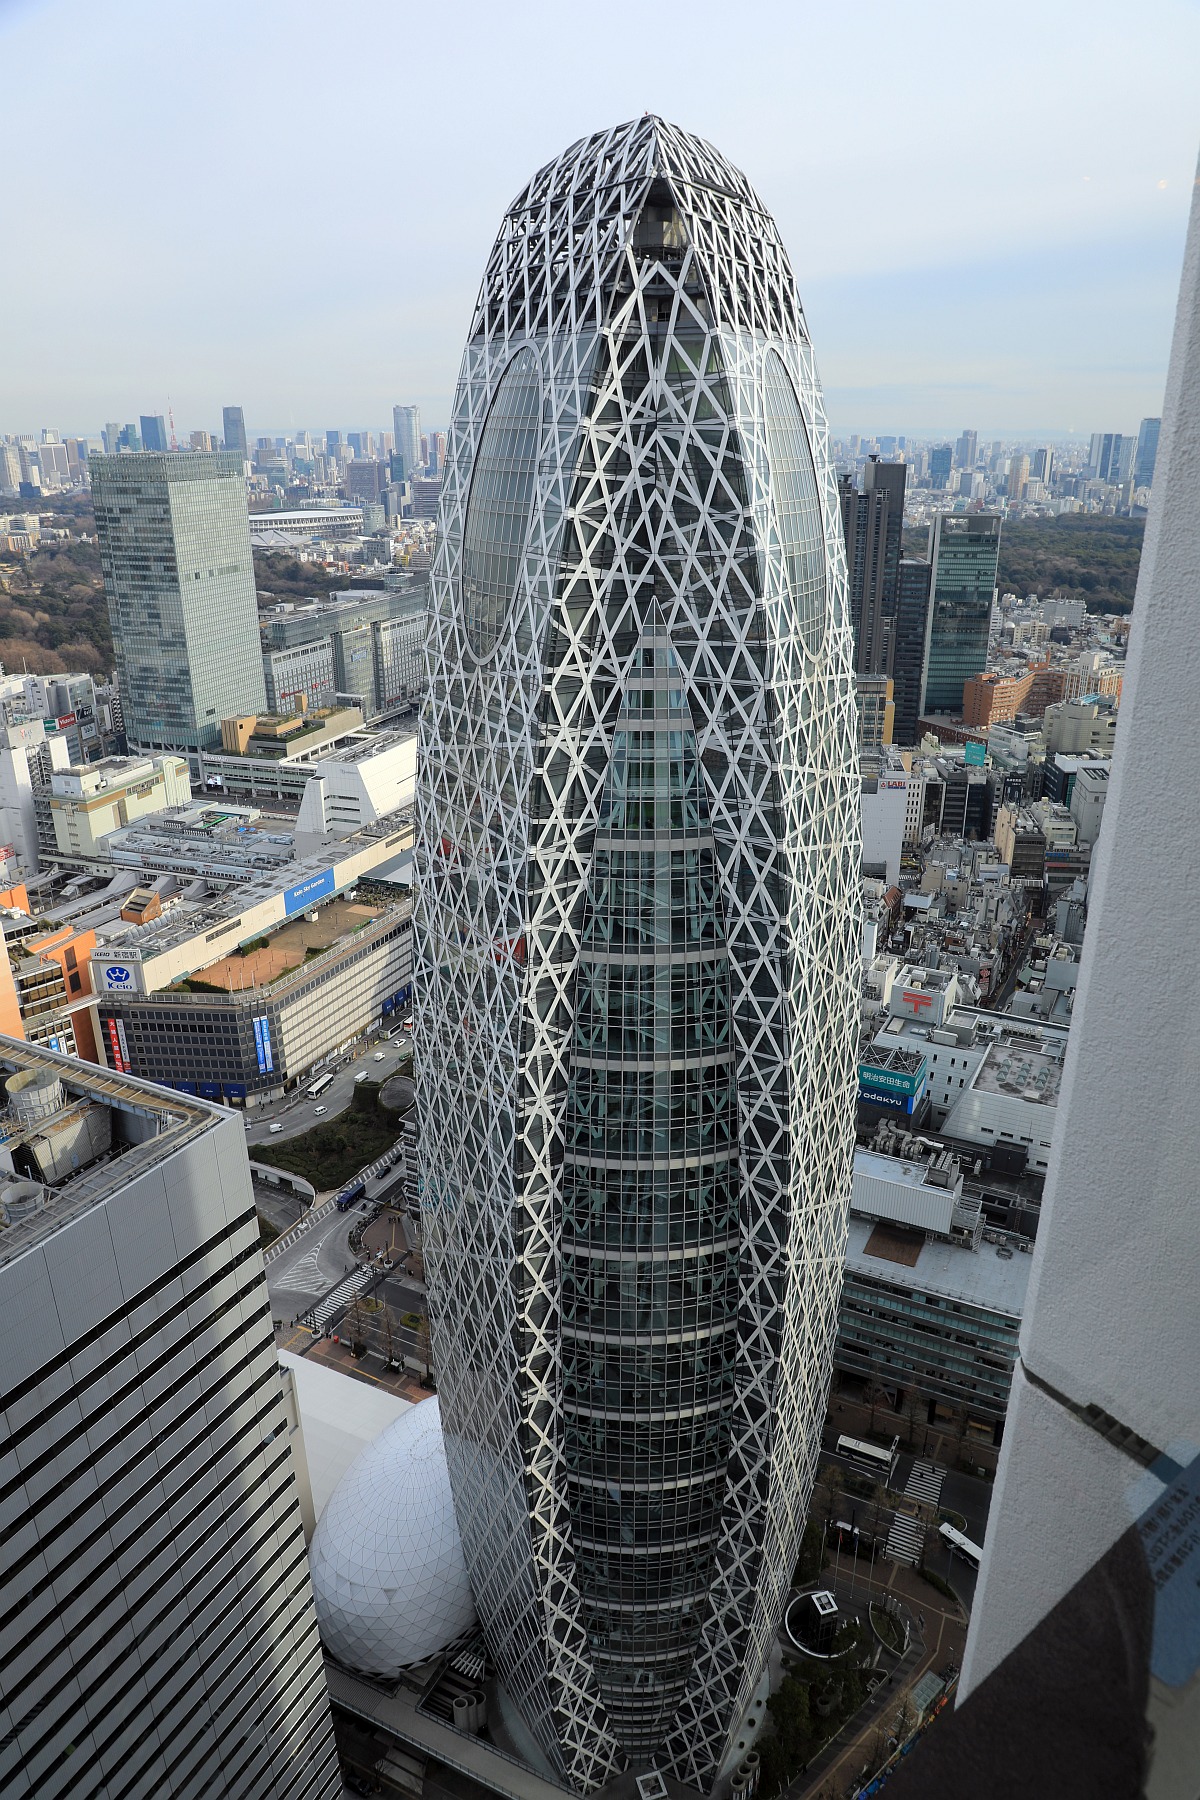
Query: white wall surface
(1113, 1318)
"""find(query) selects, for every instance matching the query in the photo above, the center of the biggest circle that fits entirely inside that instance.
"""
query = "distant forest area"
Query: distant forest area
(1083, 554)
(53, 614)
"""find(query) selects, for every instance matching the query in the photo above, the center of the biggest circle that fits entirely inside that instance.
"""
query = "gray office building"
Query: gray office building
(406, 423)
(156, 1619)
(375, 641)
(964, 550)
(302, 673)
(233, 431)
(154, 431)
(179, 575)
(873, 521)
(908, 640)
(1147, 452)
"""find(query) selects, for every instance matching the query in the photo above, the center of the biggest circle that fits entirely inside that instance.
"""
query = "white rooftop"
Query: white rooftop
(339, 1417)
(978, 1277)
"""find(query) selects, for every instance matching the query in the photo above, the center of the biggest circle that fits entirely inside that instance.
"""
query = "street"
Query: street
(319, 1258)
(297, 1113)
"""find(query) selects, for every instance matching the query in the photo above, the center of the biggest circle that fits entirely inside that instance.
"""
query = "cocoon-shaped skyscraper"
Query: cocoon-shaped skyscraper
(637, 948)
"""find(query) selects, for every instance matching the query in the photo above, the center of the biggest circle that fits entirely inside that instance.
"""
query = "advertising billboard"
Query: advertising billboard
(894, 1081)
(974, 755)
(307, 893)
(119, 977)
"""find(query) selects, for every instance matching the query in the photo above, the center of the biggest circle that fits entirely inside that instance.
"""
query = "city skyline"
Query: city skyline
(1031, 292)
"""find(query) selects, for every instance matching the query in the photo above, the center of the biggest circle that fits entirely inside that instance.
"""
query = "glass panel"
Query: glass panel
(797, 503)
(502, 486)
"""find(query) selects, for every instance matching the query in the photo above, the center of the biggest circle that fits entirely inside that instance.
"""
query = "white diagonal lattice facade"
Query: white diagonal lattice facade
(637, 942)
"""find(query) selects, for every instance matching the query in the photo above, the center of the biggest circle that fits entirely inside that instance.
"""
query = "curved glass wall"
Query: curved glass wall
(502, 491)
(796, 502)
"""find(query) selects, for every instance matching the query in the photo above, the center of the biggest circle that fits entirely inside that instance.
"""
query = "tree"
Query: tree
(914, 1411)
(357, 1323)
(424, 1344)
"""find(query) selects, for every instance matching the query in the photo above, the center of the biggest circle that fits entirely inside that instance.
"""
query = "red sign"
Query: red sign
(917, 1000)
(114, 1042)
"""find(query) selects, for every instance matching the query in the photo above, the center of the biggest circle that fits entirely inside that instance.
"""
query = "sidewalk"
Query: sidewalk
(337, 1356)
(837, 1769)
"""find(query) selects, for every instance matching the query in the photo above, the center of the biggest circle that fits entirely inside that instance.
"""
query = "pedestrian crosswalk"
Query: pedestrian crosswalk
(906, 1539)
(338, 1299)
(925, 1483)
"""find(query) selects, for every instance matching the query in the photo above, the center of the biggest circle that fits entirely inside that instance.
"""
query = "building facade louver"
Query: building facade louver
(637, 949)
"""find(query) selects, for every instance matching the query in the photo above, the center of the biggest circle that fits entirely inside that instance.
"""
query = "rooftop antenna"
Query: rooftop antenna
(171, 423)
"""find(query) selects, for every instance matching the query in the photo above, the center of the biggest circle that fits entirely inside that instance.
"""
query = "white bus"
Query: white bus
(962, 1544)
(319, 1086)
(873, 1459)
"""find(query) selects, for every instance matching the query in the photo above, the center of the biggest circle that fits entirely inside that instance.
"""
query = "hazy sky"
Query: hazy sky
(289, 205)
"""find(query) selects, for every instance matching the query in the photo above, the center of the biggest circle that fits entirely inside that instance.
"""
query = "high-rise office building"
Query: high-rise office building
(637, 937)
(1018, 476)
(174, 540)
(873, 522)
(941, 460)
(406, 421)
(908, 655)
(112, 437)
(233, 432)
(1147, 451)
(153, 432)
(966, 451)
(964, 552)
(1110, 456)
(1041, 465)
(156, 1618)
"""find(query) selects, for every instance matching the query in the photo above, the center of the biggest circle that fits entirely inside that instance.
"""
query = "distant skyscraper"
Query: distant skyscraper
(1041, 465)
(873, 521)
(908, 653)
(941, 461)
(964, 550)
(1106, 455)
(179, 577)
(967, 450)
(1147, 451)
(154, 1593)
(153, 431)
(128, 438)
(233, 432)
(112, 437)
(637, 930)
(406, 421)
(1018, 476)
(333, 443)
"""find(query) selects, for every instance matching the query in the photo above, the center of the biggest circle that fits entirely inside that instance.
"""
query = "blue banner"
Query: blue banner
(266, 1045)
(258, 1046)
(318, 887)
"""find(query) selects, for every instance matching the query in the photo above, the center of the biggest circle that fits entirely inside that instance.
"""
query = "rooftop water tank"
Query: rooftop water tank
(34, 1095)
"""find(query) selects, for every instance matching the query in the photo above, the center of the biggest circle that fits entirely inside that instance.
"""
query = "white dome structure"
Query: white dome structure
(388, 1573)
